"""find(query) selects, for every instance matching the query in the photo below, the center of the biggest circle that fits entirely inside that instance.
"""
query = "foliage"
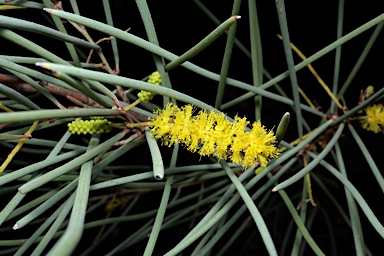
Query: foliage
(91, 188)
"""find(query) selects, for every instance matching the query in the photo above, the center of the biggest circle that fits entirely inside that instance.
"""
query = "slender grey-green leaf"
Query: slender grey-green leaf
(60, 26)
(71, 164)
(37, 86)
(9, 92)
(361, 58)
(9, 22)
(32, 239)
(353, 211)
(261, 226)
(357, 196)
(256, 54)
(227, 55)
(289, 58)
(152, 37)
(11, 205)
(157, 160)
(72, 235)
(336, 72)
(140, 85)
(67, 206)
(299, 223)
(159, 218)
(115, 49)
(371, 162)
(312, 164)
(203, 43)
(24, 116)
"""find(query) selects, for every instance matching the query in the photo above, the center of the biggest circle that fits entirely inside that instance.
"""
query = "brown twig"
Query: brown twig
(76, 97)
(117, 69)
(20, 85)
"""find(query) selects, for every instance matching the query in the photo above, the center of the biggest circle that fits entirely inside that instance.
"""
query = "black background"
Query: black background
(312, 26)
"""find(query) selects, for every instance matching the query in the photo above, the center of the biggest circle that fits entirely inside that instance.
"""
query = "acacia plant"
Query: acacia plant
(116, 143)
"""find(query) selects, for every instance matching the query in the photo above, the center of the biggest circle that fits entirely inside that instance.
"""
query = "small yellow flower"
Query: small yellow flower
(374, 119)
(211, 134)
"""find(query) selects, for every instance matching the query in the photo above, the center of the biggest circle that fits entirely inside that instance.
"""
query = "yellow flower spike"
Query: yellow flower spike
(163, 123)
(223, 133)
(261, 144)
(207, 132)
(182, 130)
(240, 141)
(211, 134)
(198, 129)
(374, 119)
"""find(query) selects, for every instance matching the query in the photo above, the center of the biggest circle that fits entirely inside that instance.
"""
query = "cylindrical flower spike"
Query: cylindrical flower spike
(211, 134)
(154, 78)
(94, 126)
(374, 119)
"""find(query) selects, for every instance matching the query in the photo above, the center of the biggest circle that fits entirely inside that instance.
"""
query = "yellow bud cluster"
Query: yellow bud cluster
(145, 96)
(154, 78)
(93, 126)
(210, 133)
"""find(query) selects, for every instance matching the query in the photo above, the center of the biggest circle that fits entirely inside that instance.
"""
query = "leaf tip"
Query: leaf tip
(42, 64)
(56, 73)
(48, 10)
(159, 176)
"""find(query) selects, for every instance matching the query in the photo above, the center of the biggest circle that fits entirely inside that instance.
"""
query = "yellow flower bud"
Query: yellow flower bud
(94, 126)
(154, 78)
